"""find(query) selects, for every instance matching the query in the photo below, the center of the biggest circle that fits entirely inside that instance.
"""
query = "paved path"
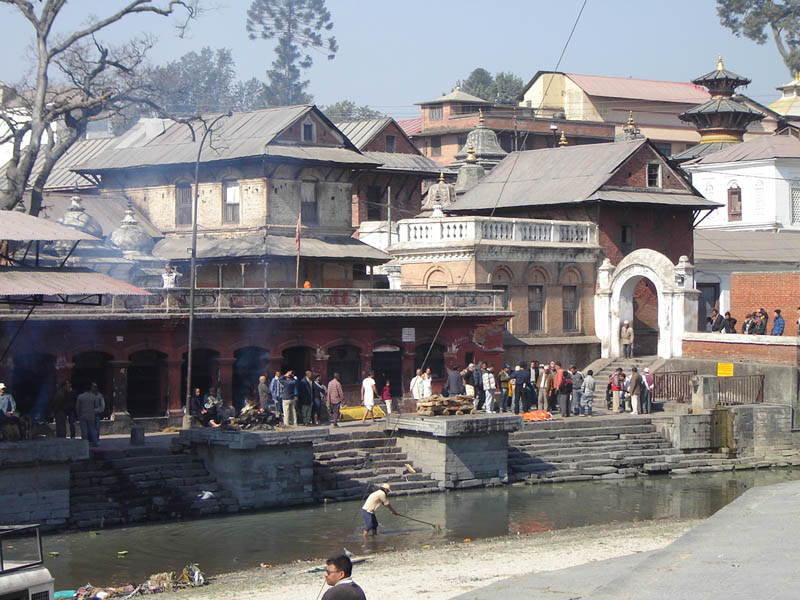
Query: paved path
(747, 550)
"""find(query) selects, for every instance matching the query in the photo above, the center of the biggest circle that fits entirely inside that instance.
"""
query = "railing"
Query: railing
(675, 386)
(469, 229)
(20, 547)
(288, 301)
(741, 389)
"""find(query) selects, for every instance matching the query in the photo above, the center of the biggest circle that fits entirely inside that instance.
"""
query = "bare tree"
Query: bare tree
(100, 79)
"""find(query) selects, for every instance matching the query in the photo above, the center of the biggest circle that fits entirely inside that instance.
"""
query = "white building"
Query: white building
(756, 181)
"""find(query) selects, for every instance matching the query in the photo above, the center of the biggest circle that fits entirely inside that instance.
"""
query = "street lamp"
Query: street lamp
(554, 129)
(193, 283)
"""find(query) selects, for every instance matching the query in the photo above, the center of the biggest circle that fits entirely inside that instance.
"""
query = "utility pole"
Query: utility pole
(389, 212)
(193, 268)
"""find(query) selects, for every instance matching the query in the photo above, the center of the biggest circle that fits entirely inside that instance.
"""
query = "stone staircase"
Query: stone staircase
(143, 484)
(347, 464)
(600, 448)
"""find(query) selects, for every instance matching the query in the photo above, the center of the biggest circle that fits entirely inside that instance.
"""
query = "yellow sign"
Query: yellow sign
(724, 369)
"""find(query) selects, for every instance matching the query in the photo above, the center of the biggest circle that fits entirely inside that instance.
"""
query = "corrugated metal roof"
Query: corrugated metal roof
(395, 161)
(210, 247)
(242, 135)
(363, 132)
(21, 227)
(640, 89)
(18, 281)
(746, 246)
(411, 126)
(456, 96)
(762, 147)
(686, 199)
(547, 176)
(701, 150)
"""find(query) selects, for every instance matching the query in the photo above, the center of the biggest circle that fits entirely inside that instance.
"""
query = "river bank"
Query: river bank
(444, 570)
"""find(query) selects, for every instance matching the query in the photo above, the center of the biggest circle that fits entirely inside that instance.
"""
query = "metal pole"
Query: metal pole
(389, 212)
(192, 282)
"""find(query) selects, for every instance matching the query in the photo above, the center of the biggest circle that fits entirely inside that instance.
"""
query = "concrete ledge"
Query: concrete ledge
(455, 426)
(43, 451)
(739, 338)
(249, 440)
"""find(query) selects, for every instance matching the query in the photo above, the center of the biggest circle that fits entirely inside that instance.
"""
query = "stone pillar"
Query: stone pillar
(119, 385)
(175, 402)
(602, 310)
(705, 394)
(225, 383)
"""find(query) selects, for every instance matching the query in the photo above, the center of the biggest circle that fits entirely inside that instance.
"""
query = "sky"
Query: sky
(395, 53)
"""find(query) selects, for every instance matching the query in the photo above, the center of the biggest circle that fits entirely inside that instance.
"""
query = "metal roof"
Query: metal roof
(701, 150)
(396, 161)
(411, 126)
(746, 246)
(22, 227)
(242, 135)
(210, 247)
(763, 147)
(640, 89)
(363, 132)
(456, 96)
(646, 197)
(24, 281)
(108, 211)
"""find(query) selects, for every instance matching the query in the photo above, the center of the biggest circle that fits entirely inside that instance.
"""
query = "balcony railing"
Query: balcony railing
(430, 231)
(282, 302)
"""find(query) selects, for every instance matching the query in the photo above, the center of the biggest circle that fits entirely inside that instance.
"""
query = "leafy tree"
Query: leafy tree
(299, 26)
(754, 18)
(249, 95)
(97, 79)
(480, 83)
(346, 110)
(507, 87)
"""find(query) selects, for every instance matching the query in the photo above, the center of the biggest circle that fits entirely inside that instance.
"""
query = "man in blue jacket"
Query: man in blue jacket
(778, 323)
(522, 381)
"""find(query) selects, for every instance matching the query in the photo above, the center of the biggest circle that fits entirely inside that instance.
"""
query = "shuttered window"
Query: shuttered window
(183, 204)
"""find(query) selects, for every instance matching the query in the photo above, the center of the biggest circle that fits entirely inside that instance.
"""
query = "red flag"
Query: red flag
(297, 233)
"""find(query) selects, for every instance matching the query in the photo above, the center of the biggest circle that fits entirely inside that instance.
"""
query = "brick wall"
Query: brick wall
(768, 290)
(402, 144)
(742, 352)
(633, 173)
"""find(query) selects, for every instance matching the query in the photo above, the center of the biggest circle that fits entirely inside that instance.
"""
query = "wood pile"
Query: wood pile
(441, 405)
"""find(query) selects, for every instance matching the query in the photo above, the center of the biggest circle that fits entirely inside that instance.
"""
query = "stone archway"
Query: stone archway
(674, 289)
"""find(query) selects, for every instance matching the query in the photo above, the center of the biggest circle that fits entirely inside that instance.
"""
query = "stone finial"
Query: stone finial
(720, 64)
(563, 141)
(441, 178)
(75, 204)
(480, 116)
(631, 124)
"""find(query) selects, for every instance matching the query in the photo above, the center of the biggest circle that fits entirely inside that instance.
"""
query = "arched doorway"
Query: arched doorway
(146, 383)
(93, 367)
(205, 372)
(251, 362)
(387, 362)
(672, 292)
(33, 383)
(639, 306)
(297, 358)
(345, 360)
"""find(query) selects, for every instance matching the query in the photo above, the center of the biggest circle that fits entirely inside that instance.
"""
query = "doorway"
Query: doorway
(297, 358)
(145, 383)
(250, 364)
(387, 362)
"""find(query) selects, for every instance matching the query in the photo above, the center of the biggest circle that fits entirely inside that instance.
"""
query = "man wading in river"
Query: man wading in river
(373, 503)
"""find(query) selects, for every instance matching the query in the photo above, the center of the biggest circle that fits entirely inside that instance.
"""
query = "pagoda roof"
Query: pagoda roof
(456, 96)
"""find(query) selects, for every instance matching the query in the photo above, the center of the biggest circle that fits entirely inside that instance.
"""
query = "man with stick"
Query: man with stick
(373, 503)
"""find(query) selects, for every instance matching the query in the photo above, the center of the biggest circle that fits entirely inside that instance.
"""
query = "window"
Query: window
(230, 201)
(345, 360)
(709, 300)
(308, 202)
(734, 203)
(796, 203)
(435, 112)
(391, 143)
(536, 308)
(506, 296)
(436, 145)
(569, 301)
(653, 175)
(183, 204)
(626, 238)
(308, 132)
(462, 141)
(374, 197)
(664, 147)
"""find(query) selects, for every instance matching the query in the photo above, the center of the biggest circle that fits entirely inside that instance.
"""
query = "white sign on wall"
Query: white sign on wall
(409, 334)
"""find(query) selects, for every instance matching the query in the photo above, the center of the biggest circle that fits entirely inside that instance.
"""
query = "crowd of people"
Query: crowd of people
(755, 323)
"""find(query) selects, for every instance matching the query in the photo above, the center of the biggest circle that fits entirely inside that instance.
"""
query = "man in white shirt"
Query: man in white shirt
(489, 387)
(368, 394)
(415, 387)
(169, 278)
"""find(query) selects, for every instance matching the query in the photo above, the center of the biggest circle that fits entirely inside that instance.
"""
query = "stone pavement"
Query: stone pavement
(747, 550)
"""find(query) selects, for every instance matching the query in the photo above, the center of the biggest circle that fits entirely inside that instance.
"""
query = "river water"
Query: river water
(225, 544)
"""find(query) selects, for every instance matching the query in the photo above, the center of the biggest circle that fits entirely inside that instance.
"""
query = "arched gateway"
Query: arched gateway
(674, 288)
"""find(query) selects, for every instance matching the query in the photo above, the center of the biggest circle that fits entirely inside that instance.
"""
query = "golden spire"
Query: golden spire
(630, 119)
(480, 116)
(441, 176)
(563, 141)
(470, 152)
(797, 77)
(720, 64)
